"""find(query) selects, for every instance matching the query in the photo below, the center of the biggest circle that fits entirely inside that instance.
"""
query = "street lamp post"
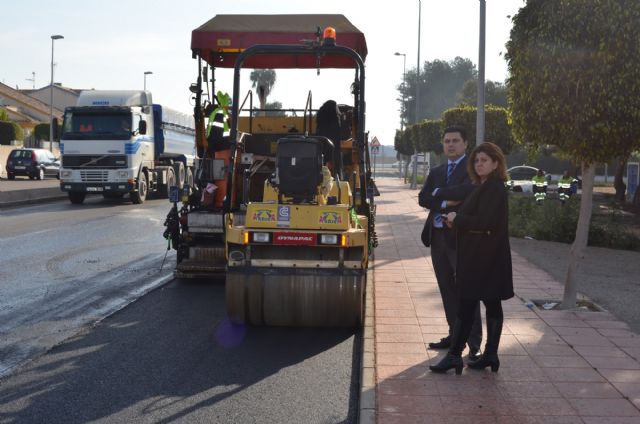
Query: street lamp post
(53, 38)
(414, 181)
(145, 78)
(404, 87)
(404, 106)
(480, 116)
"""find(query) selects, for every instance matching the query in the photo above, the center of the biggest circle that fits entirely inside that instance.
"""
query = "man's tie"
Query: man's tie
(452, 166)
(437, 219)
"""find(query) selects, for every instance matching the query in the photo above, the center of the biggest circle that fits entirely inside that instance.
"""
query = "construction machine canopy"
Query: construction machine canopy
(220, 41)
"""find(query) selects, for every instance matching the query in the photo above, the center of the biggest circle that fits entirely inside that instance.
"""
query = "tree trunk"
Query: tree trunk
(618, 181)
(579, 245)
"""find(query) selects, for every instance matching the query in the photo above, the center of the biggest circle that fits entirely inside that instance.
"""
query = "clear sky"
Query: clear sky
(110, 44)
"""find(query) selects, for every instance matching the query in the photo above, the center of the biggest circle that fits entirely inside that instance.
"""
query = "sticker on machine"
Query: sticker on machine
(330, 218)
(263, 215)
(284, 216)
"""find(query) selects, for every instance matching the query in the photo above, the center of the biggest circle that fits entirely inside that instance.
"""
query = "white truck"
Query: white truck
(118, 142)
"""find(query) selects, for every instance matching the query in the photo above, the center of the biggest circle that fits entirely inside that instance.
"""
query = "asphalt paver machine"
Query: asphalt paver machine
(295, 213)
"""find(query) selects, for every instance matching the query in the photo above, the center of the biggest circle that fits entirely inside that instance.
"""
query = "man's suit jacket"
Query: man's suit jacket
(458, 188)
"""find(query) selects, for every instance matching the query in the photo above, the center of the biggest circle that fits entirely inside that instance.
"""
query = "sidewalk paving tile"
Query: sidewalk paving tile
(557, 366)
(587, 390)
(605, 407)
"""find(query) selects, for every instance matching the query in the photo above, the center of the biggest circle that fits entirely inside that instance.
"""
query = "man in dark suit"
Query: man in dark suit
(446, 187)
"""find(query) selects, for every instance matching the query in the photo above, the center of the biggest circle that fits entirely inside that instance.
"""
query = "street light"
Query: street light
(404, 106)
(480, 115)
(404, 87)
(53, 38)
(414, 182)
(145, 78)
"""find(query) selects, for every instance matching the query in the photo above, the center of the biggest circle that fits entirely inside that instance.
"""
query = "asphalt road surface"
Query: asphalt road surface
(65, 266)
(170, 356)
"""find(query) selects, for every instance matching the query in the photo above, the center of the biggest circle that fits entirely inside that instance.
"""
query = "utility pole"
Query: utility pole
(53, 38)
(480, 120)
(414, 181)
(145, 79)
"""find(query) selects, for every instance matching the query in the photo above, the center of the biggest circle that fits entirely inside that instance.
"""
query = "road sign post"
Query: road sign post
(375, 146)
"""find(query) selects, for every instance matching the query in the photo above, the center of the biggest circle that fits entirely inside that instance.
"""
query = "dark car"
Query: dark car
(32, 163)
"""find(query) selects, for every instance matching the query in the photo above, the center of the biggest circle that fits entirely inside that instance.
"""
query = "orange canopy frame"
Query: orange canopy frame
(220, 41)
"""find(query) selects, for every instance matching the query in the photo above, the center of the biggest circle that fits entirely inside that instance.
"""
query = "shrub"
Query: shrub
(553, 221)
(41, 131)
(10, 131)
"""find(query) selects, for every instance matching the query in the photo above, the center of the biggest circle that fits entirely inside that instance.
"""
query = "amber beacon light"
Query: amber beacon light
(329, 36)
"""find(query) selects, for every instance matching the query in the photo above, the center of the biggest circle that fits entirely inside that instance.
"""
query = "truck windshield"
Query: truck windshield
(94, 126)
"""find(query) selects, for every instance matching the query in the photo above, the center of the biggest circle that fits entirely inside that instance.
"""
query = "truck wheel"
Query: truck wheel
(77, 197)
(138, 197)
(171, 181)
(189, 178)
(178, 168)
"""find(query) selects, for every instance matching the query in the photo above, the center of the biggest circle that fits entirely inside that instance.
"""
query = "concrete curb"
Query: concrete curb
(367, 412)
(28, 196)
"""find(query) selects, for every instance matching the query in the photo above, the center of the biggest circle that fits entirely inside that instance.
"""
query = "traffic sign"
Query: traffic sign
(375, 142)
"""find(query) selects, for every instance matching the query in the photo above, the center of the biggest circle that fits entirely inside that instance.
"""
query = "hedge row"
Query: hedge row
(41, 131)
(553, 221)
(10, 131)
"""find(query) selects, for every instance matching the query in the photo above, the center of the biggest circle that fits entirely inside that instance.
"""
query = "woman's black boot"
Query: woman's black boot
(453, 359)
(448, 362)
(489, 357)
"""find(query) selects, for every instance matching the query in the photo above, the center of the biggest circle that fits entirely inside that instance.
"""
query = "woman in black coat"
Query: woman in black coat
(483, 270)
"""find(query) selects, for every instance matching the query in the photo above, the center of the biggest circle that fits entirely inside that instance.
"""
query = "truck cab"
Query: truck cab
(119, 142)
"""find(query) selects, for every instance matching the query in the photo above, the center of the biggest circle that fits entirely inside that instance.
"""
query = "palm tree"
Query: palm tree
(263, 81)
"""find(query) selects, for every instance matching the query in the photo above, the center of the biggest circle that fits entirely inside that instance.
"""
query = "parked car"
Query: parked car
(520, 178)
(33, 163)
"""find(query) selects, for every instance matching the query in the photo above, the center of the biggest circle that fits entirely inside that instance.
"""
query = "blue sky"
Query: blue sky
(109, 45)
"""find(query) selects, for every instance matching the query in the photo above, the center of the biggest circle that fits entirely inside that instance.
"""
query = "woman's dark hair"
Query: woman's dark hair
(495, 153)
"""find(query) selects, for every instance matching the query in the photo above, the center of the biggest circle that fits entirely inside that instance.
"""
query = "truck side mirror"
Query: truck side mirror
(142, 127)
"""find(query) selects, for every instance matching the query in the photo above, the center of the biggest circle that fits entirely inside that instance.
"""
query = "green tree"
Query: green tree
(402, 144)
(575, 82)
(440, 83)
(4, 115)
(495, 93)
(263, 81)
(10, 131)
(430, 136)
(497, 126)
(274, 105)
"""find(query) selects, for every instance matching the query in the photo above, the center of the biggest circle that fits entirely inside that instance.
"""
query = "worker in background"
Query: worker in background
(219, 142)
(565, 189)
(539, 185)
(218, 127)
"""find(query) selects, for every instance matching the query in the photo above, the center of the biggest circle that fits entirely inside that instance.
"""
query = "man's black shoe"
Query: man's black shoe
(444, 343)
(474, 354)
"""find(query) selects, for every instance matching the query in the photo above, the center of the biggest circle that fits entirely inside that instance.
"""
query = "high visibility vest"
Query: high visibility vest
(539, 181)
(565, 182)
(218, 119)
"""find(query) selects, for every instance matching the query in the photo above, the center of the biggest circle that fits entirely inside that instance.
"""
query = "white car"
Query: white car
(520, 178)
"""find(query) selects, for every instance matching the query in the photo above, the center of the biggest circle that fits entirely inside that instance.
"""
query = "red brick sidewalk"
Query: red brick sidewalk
(556, 366)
